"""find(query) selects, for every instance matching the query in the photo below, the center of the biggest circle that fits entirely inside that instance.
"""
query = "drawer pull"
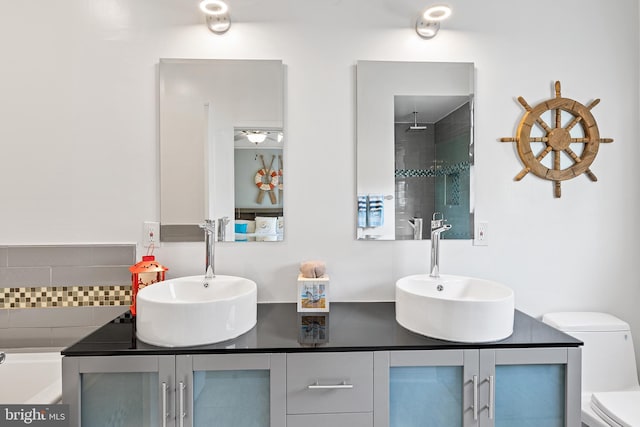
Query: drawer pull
(317, 386)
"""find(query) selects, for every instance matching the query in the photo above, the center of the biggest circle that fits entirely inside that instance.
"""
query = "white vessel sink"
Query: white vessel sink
(182, 312)
(455, 308)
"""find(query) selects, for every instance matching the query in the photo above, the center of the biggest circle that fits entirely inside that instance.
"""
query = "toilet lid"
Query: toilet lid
(622, 407)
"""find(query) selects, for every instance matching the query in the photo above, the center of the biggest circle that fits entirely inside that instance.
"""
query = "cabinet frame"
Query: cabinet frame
(481, 364)
(172, 370)
(74, 367)
(570, 357)
(186, 365)
(383, 361)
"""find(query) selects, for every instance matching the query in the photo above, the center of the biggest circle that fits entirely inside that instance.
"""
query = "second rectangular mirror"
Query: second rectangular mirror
(414, 149)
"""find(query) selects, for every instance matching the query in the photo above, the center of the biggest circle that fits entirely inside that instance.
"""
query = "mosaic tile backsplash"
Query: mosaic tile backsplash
(65, 276)
(64, 296)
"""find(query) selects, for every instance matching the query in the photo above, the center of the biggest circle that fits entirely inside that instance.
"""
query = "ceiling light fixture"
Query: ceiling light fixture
(217, 15)
(214, 7)
(256, 137)
(428, 22)
(438, 12)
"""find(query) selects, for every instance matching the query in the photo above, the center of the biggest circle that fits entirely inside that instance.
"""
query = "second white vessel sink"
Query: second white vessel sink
(455, 308)
(183, 312)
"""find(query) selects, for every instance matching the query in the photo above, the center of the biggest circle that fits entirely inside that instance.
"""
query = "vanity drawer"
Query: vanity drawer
(323, 383)
(333, 420)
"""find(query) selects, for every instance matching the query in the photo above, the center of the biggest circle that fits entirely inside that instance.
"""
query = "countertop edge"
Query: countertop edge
(175, 351)
(98, 344)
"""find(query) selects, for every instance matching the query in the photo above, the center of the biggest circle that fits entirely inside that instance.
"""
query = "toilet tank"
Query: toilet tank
(608, 357)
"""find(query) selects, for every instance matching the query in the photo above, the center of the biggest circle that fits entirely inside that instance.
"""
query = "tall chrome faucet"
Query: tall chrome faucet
(438, 227)
(209, 227)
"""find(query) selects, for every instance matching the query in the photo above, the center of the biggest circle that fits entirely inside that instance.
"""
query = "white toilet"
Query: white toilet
(610, 390)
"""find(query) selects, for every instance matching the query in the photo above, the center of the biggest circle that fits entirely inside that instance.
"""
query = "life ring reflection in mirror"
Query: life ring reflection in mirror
(272, 179)
(557, 139)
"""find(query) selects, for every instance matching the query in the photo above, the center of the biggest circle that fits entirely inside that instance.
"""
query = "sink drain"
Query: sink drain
(440, 288)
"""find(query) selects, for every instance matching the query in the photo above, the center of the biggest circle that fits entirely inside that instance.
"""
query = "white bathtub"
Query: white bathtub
(31, 378)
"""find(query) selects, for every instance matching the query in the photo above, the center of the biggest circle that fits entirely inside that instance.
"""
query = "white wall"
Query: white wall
(78, 136)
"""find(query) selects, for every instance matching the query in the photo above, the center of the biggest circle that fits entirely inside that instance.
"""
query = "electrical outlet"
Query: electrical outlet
(151, 234)
(481, 237)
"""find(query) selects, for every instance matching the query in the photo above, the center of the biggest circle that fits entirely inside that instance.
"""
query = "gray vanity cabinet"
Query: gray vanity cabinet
(449, 388)
(478, 388)
(176, 391)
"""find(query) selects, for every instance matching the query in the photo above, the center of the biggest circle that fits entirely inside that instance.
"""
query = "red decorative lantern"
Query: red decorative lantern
(145, 273)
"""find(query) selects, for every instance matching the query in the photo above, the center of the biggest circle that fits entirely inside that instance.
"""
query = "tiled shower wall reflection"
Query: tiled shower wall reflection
(415, 192)
(51, 296)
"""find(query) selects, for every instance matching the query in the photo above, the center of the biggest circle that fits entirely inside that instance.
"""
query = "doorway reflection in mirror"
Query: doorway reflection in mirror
(258, 185)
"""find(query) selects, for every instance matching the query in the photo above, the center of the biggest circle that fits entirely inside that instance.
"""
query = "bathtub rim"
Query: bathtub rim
(52, 392)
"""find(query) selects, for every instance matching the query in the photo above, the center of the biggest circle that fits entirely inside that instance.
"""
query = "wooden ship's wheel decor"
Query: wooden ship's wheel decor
(557, 139)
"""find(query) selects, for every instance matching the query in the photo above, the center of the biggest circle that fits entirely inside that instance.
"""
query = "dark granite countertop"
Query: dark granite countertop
(364, 326)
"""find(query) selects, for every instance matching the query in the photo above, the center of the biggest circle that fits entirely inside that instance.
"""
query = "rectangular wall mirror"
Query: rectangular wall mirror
(414, 149)
(221, 149)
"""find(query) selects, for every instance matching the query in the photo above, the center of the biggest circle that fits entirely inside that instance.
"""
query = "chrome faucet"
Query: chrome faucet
(209, 227)
(438, 227)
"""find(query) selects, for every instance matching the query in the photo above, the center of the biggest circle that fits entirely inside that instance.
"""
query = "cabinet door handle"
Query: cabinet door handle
(317, 386)
(475, 398)
(181, 404)
(492, 395)
(164, 404)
